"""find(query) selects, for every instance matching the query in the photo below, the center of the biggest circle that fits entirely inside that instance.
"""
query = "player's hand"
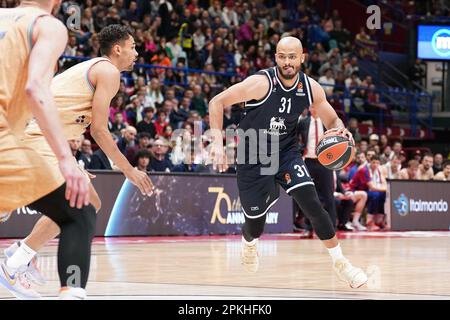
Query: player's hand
(90, 175)
(217, 156)
(141, 180)
(77, 184)
(341, 132)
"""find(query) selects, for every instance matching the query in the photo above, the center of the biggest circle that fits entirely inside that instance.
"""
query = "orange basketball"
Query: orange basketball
(335, 152)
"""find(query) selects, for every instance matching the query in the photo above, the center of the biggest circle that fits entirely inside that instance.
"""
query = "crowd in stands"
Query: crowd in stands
(228, 41)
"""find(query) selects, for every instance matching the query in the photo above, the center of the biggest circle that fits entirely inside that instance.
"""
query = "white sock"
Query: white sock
(11, 249)
(336, 253)
(22, 256)
(249, 243)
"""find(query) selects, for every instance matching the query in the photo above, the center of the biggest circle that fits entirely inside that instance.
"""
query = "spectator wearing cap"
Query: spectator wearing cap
(409, 173)
(373, 140)
(437, 162)
(425, 171)
(444, 175)
(159, 161)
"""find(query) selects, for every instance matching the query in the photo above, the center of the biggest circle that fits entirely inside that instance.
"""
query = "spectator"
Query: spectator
(360, 161)
(370, 154)
(198, 101)
(327, 81)
(118, 125)
(349, 203)
(418, 72)
(159, 161)
(392, 168)
(161, 122)
(370, 179)
(341, 35)
(425, 171)
(417, 155)
(384, 141)
(100, 161)
(396, 148)
(437, 164)
(353, 81)
(118, 105)
(127, 140)
(373, 140)
(143, 139)
(409, 173)
(363, 146)
(386, 155)
(330, 64)
(75, 145)
(354, 129)
(146, 125)
(313, 65)
(180, 114)
(142, 159)
(174, 50)
(154, 92)
(86, 150)
(444, 175)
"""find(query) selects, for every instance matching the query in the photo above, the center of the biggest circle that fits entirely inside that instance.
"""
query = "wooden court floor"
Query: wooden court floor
(402, 265)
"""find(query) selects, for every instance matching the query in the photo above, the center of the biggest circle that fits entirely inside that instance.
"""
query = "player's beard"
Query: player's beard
(288, 76)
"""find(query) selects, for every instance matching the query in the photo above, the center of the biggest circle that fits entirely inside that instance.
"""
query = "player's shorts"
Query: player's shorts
(375, 202)
(39, 143)
(258, 193)
(25, 176)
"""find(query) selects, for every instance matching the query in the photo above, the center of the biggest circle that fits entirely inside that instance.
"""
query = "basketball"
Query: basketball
(335, 152)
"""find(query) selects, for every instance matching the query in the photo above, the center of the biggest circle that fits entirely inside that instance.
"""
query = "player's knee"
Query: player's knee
(82, 223)
(308, 201)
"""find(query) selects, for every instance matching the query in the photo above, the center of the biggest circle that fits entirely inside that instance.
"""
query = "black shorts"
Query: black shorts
(258, 193)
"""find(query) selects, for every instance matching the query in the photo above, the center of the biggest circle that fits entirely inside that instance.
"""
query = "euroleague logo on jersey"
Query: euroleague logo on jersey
(300, 90)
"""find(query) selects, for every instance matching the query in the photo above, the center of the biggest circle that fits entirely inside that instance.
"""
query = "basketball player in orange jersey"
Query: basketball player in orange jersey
(31, 40)
(83, 95)
(274, 100)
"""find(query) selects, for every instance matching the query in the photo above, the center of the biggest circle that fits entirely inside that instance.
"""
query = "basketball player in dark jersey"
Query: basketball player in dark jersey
(274, 100)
